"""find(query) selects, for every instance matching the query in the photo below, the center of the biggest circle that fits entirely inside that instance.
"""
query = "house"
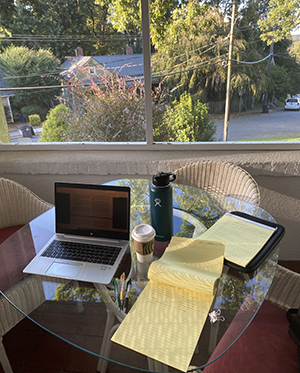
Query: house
(5, 95)
(128, 64)
(125, 65)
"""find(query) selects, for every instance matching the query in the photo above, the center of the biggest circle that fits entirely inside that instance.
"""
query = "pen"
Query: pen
(115, 287)
(122, 294)
(125, 306)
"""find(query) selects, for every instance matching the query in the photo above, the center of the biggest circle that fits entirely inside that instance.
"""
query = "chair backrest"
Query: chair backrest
(222, 177)
(18, 205)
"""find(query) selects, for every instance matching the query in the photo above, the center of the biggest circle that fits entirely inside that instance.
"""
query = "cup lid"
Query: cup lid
(143, 233)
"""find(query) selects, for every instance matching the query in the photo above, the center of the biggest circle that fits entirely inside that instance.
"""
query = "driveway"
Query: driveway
(273, 123)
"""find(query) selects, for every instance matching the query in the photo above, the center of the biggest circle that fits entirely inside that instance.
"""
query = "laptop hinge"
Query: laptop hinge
(85, 238)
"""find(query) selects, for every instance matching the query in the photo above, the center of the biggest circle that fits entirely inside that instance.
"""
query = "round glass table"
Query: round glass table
(86, 315)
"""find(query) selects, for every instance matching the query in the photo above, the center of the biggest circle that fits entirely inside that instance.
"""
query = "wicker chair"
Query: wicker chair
(18, 206)
(225, 178)
(265, 345)
(285, 289)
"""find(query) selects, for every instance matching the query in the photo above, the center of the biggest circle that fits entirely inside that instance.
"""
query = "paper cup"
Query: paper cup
(143, 240)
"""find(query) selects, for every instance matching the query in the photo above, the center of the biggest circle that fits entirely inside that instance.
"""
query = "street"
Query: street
(273, 123)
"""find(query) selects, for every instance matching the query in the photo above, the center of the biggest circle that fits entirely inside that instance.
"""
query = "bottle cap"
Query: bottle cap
(163, 178)
(143, 233)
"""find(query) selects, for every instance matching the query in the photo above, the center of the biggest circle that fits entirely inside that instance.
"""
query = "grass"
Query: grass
(278, 138)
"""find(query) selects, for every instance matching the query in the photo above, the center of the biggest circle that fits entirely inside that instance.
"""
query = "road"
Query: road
(273, 123)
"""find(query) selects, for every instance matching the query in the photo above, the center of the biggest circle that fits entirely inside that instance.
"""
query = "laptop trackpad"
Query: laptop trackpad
(63, 269)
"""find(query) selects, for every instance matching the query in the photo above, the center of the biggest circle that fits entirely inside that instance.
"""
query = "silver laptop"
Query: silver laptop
(92, 233)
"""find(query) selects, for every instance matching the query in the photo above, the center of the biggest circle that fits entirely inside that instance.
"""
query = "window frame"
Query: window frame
(149, 144)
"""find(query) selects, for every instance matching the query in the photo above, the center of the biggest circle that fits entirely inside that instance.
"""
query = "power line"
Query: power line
(55, 38)
(253, 62)
(141, 77)
(190, 69)
(187, 61)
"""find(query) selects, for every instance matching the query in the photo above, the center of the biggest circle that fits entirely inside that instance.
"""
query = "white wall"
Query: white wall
(276, 171)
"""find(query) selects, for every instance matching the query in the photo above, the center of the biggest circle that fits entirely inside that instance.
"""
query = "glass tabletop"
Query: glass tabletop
(78, 312)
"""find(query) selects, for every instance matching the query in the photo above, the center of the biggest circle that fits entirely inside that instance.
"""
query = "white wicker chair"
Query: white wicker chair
(285, 289)
(18, 205)
(222, 177)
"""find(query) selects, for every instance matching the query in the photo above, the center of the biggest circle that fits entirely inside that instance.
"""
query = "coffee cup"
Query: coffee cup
(143, 240)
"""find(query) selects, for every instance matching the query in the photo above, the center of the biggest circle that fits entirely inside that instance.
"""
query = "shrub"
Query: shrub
(35, 120)
(188, 121)
(55, 125)
(30, 110)
(111, 109)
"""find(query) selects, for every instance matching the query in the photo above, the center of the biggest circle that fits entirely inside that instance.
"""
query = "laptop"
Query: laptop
(92, 225)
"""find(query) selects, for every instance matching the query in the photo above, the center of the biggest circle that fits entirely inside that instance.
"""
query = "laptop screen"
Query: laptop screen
(92, 210)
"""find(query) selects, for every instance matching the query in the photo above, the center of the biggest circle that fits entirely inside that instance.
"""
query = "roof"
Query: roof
(3, 84)
(124, 65)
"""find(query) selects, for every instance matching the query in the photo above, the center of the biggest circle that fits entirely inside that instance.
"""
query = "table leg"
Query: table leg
(107, 349)
(4, 359)
(105, 341)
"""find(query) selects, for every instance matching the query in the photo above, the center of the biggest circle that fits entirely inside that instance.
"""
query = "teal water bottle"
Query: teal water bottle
(161, 205)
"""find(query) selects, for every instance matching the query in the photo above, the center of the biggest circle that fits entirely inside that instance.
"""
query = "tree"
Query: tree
(283, 16)
(6, 9)
(126, 16)
(295, 51)
(280, 82)
(30, 68)
(188, 121)
(191, 52)
(62, 26)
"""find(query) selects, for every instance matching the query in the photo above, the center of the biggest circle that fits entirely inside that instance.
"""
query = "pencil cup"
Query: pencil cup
(143, 240)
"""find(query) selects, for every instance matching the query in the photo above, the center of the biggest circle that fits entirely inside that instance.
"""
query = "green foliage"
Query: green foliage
(293, 70)
(125, 15)
(30, 109)
(69, 292)
(4, 133)
(280, 82)
(30, 68)
(283, 16)
(34, 120)
(55, 125)
(62, 26)
(110, 109)
(295, 50)
(191, 51)
(188, 122)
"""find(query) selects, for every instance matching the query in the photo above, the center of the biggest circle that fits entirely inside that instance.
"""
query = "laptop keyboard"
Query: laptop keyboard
(81, 252)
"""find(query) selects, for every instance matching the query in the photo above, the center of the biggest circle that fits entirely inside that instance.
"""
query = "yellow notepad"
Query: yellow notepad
(243, 238)
(167, 319)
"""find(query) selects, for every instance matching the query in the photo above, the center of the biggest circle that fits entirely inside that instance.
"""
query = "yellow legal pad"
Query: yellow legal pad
(167, 319)
(243, 238)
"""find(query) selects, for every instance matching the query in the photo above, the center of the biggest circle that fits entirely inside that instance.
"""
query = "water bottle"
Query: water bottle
(161, 206)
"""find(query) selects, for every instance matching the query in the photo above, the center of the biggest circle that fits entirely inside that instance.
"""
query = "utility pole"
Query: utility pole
(228, 86)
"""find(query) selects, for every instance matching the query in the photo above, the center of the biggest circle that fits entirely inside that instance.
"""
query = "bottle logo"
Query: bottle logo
(157, 202)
